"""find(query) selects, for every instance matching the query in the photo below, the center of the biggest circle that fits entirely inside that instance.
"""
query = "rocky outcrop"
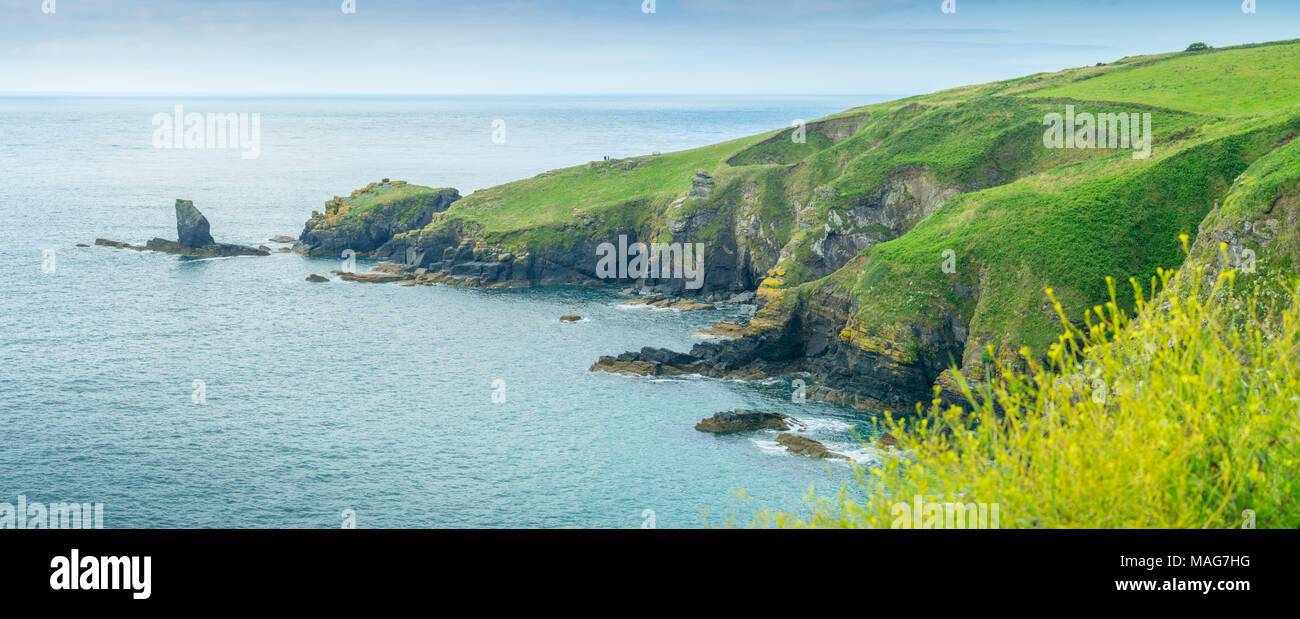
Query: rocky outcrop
(371, 278)
(804, 446)
(868, 371)
(663, 302)
(195, 238)
(314, 278)
(570, 318)
(371, 216)
(730, 327)
(650, 362)
(192, 228)
(739, 420)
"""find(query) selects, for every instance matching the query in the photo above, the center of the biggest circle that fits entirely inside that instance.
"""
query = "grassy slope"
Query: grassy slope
(1071, 226)
(1029, 217)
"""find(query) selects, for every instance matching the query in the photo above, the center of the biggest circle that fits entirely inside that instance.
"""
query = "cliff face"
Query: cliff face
(370, 216)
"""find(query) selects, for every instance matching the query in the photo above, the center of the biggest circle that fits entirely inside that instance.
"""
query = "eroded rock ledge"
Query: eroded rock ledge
(195, 238)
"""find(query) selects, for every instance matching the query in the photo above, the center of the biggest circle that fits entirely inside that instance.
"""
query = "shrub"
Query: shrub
(1187, 416)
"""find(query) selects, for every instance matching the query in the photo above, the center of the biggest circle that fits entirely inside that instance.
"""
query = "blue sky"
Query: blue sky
(302, 47)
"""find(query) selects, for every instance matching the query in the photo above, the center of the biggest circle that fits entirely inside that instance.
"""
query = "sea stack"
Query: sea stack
(192, 229)
(194, 238)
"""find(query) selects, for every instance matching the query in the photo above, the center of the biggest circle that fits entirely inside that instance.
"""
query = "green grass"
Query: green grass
(1067, 229)
(1229, 82)
(1027, 217)
(569, 194)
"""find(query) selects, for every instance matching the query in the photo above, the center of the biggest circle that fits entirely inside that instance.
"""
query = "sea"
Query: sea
(231, 393)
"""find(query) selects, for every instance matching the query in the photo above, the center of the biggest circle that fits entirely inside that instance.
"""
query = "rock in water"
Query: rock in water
(191, 226)
(314, 278)
(807, 447)
(740, 420)
(570, 318)
(195, 238)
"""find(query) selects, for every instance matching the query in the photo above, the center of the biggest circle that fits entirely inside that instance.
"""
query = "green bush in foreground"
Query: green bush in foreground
(1187, 416)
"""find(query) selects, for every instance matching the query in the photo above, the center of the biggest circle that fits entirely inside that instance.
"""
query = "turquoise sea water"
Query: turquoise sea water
(319, 398)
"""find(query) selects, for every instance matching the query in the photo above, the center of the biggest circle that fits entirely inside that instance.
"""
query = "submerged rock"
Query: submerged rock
(741, 420)
(805, 446)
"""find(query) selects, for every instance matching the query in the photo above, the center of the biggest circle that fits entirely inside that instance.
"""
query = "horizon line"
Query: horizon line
(431, 95)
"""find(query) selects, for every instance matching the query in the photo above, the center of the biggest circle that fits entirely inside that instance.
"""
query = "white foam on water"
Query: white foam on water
(770, 447)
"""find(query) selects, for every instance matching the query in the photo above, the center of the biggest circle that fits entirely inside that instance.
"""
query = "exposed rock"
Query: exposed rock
(662, 302)
(82, 245)
(741, 420)
(886, 441)
(371, 278)
(732, 327)
(317, 278)
(196, 241)
(192, 228)
(118, 244)
(213, 250)
(172, 247)
(805, 446)
(280, 238)
(649, 362)
(412, 208)
(741, 298)
(390, 267)
(570, 318)
(701, 185)
(264, 248)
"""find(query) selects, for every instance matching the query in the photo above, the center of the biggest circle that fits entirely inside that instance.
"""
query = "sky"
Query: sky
(556, 47)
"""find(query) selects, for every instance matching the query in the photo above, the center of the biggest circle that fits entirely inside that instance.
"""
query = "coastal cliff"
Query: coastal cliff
(889, 245)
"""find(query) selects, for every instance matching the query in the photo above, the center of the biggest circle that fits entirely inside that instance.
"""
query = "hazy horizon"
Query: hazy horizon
(563, 47)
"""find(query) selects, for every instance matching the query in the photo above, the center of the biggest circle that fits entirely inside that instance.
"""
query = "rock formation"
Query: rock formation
(194, 236)
(804, 446)
(740, 420)
(192, 228)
